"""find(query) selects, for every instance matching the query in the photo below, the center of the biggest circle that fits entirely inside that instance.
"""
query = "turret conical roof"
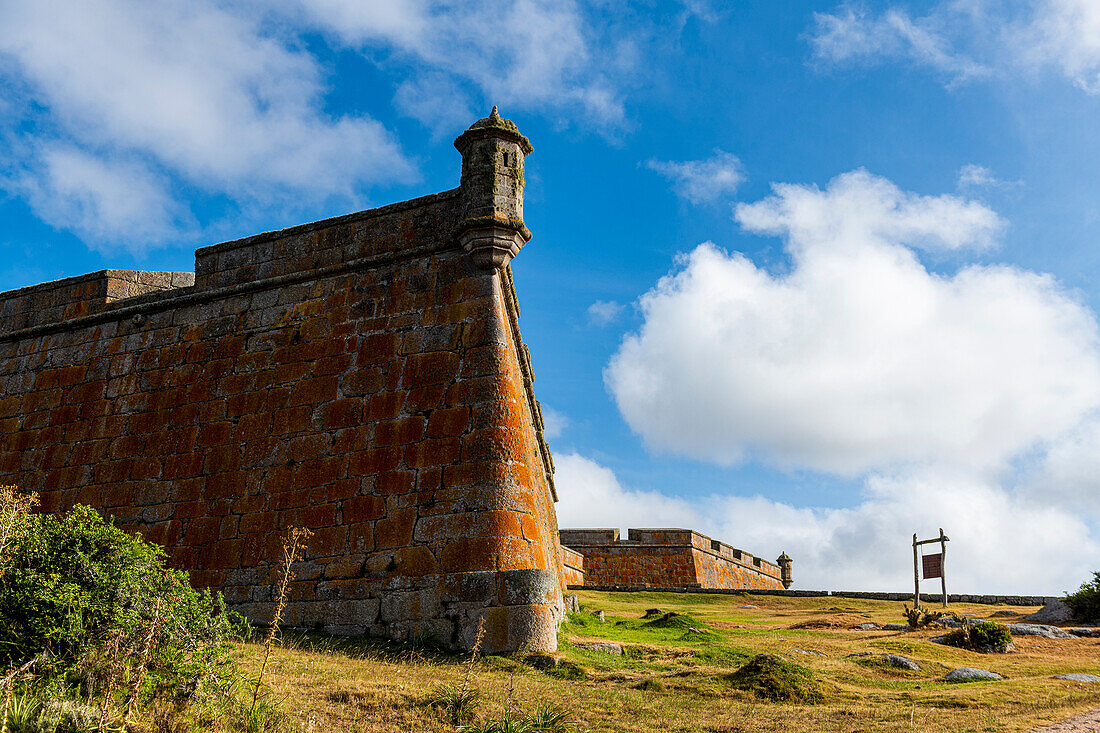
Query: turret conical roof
(492, 125)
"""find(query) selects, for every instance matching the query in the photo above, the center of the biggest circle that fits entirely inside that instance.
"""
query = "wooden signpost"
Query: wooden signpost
(933, 566)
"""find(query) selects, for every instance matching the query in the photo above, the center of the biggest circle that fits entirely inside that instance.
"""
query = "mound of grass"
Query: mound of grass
(673, 620)
(582, 620)
(567, 669)
(650, 684)
(774, 678)
(832, 621)
(693, 634)
(720, 656)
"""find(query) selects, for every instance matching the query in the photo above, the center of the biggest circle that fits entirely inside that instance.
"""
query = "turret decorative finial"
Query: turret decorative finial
(491, 225)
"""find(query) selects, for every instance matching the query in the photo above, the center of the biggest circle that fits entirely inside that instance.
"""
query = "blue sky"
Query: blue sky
(806, 276)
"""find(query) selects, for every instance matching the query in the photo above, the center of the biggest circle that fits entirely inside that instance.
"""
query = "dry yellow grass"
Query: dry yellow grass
(675, 681)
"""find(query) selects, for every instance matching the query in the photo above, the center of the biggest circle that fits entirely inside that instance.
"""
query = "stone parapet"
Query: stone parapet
(74, 297)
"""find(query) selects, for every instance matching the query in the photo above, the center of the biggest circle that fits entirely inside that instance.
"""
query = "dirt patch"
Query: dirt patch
(832, 621)
(1090, 721)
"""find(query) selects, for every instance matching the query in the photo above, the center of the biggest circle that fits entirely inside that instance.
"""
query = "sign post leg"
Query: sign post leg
(916, 576)
(943, 568)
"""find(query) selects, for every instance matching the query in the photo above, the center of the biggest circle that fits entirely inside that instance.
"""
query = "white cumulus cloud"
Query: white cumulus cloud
(554, 423)
(851, 35)
(522, 53)
(590, 495)
(101, 197)
(201, 91)
(858, 358)
(967, 39)
(702, 181)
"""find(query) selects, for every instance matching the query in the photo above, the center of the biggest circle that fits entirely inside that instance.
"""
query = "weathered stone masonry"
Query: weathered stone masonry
(667, 558)
(362, 376)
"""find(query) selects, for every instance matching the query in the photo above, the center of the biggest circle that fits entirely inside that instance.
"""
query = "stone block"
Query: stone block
(478, 587)
(528, 587)
(407, 606)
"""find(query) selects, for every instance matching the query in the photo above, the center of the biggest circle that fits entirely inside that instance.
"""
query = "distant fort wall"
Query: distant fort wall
(664, 558)
(362, 376)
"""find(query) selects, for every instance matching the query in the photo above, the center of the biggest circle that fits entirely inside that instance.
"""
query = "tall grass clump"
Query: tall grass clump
(460, 702)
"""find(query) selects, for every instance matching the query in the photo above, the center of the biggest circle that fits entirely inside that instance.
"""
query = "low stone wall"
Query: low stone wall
(1001, 600)
(667, 557)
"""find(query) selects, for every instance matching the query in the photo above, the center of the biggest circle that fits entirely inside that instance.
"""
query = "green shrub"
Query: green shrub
(69, 582)
(984, 636)
(1086, 601)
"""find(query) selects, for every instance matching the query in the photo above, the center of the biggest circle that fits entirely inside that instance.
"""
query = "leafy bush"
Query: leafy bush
(984, 636)
(70, 582)
(1086, 601)
(93, 614)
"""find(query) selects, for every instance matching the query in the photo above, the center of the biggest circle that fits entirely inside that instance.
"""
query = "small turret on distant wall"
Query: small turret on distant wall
(784, 562)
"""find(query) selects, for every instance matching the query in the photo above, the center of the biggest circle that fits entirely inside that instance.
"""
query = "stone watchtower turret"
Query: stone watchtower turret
(784, 562)
(491, 226)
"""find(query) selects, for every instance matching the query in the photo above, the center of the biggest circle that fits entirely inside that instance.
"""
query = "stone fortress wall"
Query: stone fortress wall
(362, 376)
(573, 566)
(668, 558)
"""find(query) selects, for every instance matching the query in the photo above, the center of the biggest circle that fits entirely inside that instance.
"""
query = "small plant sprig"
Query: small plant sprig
(8, 683)
(13, 505)
(115, 669)
(143, 660)
(460, 702)
(292, 547)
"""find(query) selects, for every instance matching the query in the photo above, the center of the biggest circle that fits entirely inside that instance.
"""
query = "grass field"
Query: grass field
(675, 675)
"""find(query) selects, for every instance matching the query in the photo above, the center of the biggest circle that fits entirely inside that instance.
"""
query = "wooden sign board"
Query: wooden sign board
(933, 566)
